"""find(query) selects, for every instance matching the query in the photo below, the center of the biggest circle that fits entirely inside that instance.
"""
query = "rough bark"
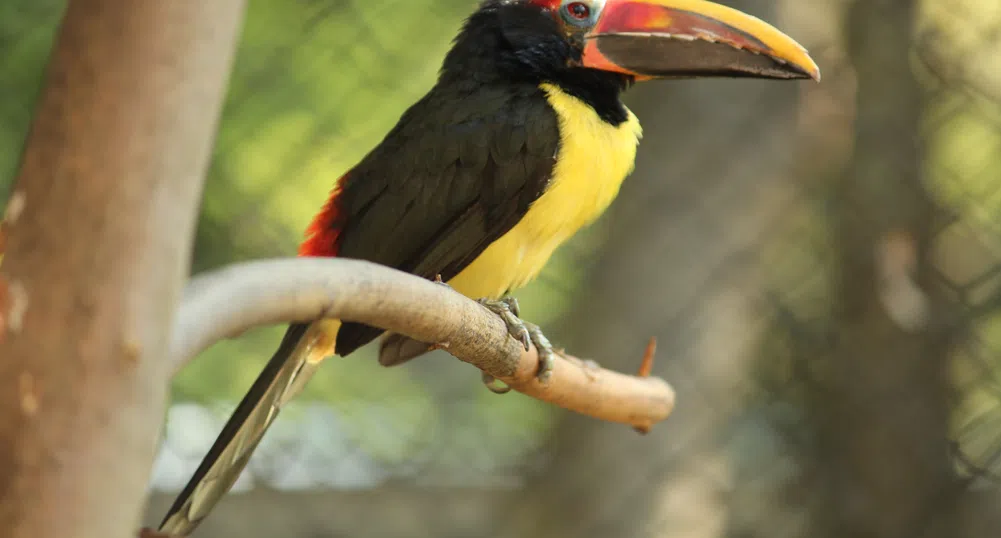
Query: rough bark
(98, 250)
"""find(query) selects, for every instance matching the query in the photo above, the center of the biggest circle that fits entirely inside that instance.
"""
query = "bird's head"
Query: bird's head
(634, 39)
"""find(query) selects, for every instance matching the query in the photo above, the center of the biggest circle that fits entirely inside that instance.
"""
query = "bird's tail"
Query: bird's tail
(293, 364)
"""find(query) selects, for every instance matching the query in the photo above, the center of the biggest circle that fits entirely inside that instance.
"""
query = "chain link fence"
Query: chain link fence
(821, 264)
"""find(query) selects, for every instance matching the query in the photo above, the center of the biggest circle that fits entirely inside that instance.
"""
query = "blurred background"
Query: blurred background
(821, 264)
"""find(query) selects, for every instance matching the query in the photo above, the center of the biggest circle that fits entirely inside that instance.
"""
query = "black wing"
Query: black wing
(458, 171)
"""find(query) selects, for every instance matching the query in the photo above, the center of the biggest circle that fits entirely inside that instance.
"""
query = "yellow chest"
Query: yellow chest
(594, 158)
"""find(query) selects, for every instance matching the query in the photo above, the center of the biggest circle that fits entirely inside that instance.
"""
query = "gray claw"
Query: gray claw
(491, 383)
(514, 324)
(526, 333)
(512, 303)
(547, 357)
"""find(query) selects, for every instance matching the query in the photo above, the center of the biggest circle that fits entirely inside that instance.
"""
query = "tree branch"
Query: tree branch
(229, 301)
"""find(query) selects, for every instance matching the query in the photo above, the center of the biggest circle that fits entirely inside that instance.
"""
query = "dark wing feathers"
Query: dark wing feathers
(456, 173)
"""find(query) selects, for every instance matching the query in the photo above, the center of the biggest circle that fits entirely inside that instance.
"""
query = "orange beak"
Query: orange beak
(691, 38)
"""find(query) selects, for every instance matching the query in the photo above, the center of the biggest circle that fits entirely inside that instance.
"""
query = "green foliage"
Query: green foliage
(316, 84)
(26, 32)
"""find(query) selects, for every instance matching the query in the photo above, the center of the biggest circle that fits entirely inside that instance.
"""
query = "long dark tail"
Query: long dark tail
(284, 376)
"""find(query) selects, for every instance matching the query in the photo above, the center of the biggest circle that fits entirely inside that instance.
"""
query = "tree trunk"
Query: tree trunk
(101, 221)
(882, 406)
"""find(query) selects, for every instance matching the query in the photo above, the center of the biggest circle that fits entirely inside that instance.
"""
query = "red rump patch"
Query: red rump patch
(324, 231)
(551, 5)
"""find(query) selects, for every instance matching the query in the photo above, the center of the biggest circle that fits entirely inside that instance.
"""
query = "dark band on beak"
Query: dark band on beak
(689, 38)
(691, 58)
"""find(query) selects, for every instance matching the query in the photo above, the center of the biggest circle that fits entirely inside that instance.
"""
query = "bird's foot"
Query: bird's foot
(527, 333)
(493, 385)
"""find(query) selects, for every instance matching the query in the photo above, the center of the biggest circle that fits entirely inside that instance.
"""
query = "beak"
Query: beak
(691, 38)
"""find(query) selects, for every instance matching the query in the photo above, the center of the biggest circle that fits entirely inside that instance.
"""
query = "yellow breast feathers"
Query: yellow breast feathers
(594, 158)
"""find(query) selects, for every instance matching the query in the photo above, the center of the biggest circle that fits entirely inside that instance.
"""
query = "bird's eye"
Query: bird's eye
(579, 10)
(580, 13)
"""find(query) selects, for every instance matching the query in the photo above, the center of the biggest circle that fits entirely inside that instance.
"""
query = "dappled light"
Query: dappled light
(818, 263)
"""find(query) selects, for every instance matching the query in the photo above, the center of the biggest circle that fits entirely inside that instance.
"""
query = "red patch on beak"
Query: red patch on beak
(643, 18)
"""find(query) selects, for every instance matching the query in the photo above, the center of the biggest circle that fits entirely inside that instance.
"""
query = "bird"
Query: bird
(522, 141)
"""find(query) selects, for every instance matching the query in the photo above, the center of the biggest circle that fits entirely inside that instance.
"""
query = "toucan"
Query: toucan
(521, 142)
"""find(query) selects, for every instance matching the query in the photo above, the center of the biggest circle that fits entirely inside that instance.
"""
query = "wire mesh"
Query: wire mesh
(790, 268)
